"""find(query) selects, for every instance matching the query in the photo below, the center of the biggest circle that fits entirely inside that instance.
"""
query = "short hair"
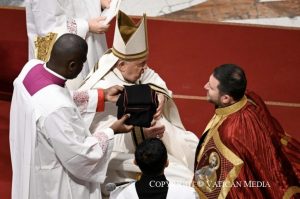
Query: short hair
(151, 156)
(69, 46)
(232, 80)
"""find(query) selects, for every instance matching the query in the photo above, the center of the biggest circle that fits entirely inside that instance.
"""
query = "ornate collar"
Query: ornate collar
(232, 108)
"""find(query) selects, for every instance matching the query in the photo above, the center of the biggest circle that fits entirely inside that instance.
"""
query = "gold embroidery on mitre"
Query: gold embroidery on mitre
(130, 57)
(43, 46)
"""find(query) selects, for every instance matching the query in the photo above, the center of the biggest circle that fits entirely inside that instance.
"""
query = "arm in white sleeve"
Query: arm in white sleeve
(88, 102)
(83, 155)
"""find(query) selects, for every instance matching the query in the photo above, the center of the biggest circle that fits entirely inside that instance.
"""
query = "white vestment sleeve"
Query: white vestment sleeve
(83, 155)
(87, 102)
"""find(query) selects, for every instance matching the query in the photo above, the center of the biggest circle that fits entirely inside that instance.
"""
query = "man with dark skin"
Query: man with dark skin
(53, 153)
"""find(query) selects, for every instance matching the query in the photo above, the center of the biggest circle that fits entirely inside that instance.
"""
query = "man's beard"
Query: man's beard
(216, 103)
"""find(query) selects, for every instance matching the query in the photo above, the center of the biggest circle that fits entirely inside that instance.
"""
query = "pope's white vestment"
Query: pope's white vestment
(53, 153)
(180, 144)
(66, 16)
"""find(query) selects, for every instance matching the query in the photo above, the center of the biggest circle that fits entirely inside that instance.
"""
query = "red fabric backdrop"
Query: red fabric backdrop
(184, 54)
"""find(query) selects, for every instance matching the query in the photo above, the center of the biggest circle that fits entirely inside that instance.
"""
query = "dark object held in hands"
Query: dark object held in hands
(141, 102)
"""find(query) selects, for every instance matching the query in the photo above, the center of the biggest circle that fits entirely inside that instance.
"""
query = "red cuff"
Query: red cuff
(100, 105)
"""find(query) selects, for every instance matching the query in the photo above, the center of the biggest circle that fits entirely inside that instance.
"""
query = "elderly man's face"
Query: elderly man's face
(132, 70)
(213, 93)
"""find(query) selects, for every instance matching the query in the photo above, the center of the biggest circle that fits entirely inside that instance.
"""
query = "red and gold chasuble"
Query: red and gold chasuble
(241, 155)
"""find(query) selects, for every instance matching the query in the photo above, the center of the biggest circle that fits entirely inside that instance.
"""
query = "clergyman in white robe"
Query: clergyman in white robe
(66, 16)
(53, 153)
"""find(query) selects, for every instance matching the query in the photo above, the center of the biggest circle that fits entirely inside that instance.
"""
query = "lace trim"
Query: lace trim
(72, 26)
(102, 139)
(81, 99)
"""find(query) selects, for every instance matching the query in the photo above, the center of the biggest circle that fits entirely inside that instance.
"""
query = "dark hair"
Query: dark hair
(68, 46)
(151, 156)
(232, 80)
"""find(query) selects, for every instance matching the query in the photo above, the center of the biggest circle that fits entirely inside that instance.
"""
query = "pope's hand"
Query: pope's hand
(155, 131)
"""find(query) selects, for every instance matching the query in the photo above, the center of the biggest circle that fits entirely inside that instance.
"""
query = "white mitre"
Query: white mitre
(130, 43)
